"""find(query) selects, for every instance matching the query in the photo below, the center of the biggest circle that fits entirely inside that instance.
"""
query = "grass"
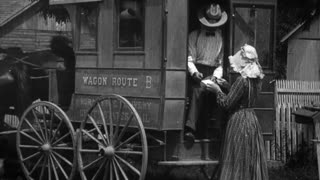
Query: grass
(286, 173)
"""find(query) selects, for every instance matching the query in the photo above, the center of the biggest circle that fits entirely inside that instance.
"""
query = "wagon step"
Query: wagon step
(188, 163)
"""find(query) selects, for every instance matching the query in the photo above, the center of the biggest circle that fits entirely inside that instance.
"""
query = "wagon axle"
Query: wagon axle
(46, 147)
(108, 152)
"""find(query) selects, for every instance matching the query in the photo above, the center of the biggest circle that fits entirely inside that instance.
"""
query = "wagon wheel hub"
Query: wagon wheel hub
(108, 151)
(46, 147)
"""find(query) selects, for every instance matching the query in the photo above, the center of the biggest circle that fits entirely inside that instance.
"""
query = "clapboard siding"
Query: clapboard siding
(21, 26)
(29, 40)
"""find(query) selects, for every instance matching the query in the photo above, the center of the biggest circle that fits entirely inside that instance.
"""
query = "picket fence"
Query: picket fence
(289, 135)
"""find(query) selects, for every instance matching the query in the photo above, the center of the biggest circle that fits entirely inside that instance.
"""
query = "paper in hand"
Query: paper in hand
(206, 82)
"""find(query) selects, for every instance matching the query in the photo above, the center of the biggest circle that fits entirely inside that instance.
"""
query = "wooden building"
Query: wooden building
(303, 55)
(21, 25)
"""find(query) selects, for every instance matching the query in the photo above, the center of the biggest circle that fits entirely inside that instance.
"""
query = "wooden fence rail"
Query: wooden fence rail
(290, 95)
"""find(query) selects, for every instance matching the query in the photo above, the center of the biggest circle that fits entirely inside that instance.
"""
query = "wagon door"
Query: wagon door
(253, 22)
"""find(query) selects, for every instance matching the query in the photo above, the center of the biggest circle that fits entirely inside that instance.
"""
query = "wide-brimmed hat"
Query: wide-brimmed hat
(246, 62)
(212, 16)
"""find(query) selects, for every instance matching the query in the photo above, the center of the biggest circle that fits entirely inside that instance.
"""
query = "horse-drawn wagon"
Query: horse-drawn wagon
(130, 94)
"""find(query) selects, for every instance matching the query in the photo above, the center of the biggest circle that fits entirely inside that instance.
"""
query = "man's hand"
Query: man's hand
(197, 76)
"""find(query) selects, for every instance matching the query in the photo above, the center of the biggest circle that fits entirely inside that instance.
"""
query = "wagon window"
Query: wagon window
(88, 26)
(253, 25)
(130, 15)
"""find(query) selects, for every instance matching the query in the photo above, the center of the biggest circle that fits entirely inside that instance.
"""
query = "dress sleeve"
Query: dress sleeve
(228, 101)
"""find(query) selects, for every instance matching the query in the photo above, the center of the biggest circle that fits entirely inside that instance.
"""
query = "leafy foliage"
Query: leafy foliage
(301, 165)
(57, 11)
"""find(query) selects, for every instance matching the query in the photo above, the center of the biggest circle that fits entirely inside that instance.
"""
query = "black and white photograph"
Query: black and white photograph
(159, 89)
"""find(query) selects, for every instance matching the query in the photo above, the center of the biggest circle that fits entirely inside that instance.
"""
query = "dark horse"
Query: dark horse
(23, 75)
(23, 79)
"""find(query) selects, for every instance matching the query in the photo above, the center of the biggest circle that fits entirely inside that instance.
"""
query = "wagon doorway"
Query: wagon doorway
(206, 116)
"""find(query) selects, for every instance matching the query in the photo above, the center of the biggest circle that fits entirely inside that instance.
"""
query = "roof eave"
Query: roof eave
(18, 13)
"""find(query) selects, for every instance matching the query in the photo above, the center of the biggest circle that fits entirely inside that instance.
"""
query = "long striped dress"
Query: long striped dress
(243, 156)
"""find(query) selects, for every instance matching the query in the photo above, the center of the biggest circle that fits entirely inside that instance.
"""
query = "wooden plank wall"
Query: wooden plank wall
(303, 60)
(288, 135)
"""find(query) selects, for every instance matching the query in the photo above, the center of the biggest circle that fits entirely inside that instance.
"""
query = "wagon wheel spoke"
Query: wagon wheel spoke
(104, 122)
(30, 137)
(93, 162)
(54, 168)
(63, 148)
(121, 169)
(29, 146)
(89, 150)
(115, 170)
(45, 122)
(49, 168)
(124, 129)
(107, 171)
(129, 152)
(111, 118)
(30, 125)
(61, 138)
(50, 125)
(97, 128)
(59, 166)
(91, 130)
(36, 165)
(118, 122)
(38, 123)
(93, 138)
(43, 167)
(135, 170)
(62, 158)
(31, 156)
(128, 140)
(55, 133)
(99, 169)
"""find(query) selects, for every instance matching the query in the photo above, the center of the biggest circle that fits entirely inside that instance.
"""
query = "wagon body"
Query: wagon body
(141, 74)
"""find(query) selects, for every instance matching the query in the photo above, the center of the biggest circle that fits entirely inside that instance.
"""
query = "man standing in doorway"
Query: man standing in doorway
(205, 59)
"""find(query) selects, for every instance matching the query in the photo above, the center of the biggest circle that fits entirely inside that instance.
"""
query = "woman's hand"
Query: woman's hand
(213, 87)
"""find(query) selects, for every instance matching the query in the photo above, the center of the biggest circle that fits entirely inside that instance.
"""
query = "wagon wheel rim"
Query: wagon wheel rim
(45, 143)
(112, 133)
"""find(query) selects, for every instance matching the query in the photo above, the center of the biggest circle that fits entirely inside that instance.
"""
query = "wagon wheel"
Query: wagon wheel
(45, 143)
(112, 142)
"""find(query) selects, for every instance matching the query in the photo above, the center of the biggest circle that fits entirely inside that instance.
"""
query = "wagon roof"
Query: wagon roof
(9, 9)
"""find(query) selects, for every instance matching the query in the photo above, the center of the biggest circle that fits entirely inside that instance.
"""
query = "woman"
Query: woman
(243, 156)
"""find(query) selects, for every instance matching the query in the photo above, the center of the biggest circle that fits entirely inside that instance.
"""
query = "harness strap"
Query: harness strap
(22, 60)
(39, 77)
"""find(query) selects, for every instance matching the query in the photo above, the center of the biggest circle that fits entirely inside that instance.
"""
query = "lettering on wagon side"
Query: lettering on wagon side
(148, 109)
(133, 82)
(89, 80)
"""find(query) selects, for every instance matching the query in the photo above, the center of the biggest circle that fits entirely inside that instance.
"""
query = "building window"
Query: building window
(130, 18)
(254, 25)
(88, 26)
